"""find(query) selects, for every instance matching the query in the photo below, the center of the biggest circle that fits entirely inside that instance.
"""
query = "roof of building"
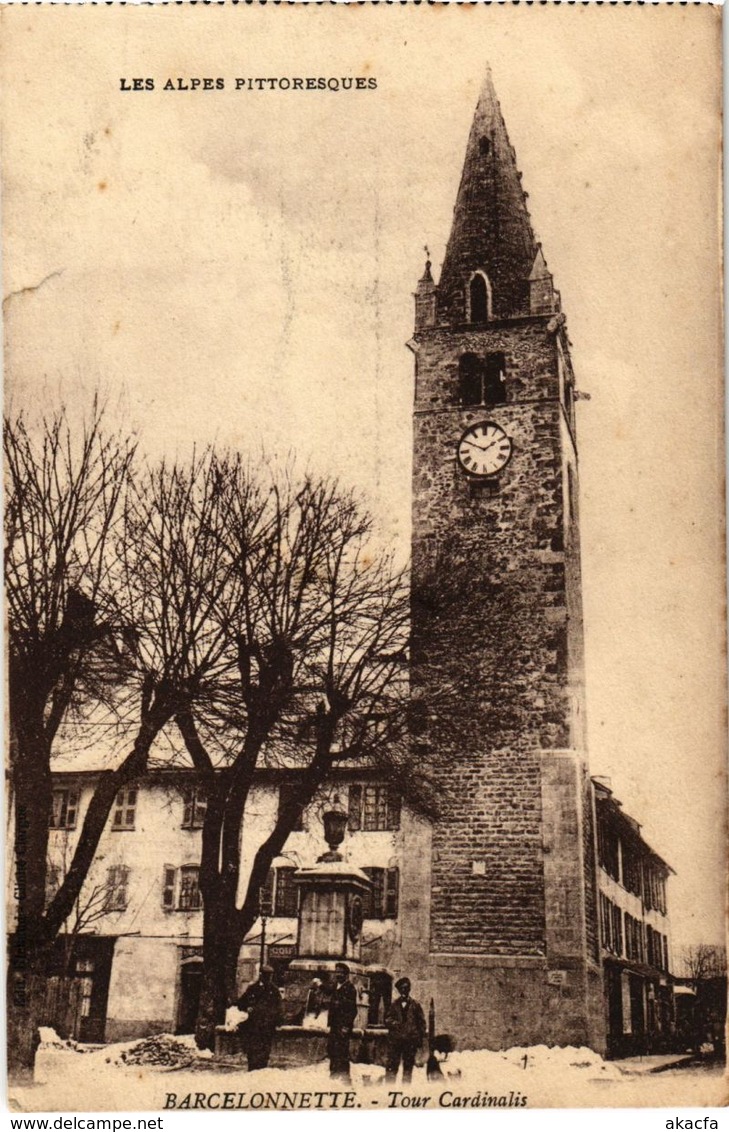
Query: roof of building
(491, 231)
(628, 826)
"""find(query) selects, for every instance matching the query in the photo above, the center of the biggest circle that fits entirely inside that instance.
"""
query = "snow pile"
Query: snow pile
(162, 1050)
(580, 1061)
(49, 1037)
(50, 1040)
(165, 1071)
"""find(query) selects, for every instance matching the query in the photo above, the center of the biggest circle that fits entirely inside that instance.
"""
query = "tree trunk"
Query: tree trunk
(213, 998)
(25, 977)
(232, 952)
(25, 1002)
(36, 929)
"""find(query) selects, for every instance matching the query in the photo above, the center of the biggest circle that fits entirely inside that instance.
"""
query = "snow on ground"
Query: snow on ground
(73, 1078)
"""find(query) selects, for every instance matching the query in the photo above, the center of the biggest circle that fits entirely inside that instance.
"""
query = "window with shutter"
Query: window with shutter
(85, 976)
(123, 886)
(372, 899)
(632, 874)
(393, 810)
(125, 808)
(381, 901)
(265, 895)
(355, 808)
(470, 379)
(392, 886)
(373, 807)
(287, 893)
(190, 897)
(168, 886)
(608, 850)
(617, 930)
(195, 808)
(117, 878)
(64, 808)
(494, 387)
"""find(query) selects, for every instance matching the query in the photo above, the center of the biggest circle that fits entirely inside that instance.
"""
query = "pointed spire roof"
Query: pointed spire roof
(539, 267)
(491, 231)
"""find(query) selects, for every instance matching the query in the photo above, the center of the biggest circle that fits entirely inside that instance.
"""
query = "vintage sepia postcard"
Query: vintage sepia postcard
(364, 563)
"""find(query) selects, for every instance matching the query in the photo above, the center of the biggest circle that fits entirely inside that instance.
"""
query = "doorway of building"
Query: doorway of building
(190, 983)
(638, 1013)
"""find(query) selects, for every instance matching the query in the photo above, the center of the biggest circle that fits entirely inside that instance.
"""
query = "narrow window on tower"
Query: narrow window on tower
(478, 294)
(470, 379)
(494, 379)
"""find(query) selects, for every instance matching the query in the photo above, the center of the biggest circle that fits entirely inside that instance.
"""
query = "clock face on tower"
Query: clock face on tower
(484, 449)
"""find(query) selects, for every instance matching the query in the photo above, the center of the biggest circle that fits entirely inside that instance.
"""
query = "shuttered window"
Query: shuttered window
(612, 925)
(381, 902)
(392, 885)
(190, 899)
(125, 808)
(64, 808)
(117, 880)
(168, 886)
(195, 808)
(287, 893)
(372, 807)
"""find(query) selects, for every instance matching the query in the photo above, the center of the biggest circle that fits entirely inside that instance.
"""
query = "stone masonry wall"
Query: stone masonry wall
(490, 657)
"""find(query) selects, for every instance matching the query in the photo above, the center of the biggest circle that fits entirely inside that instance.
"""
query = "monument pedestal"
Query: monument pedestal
(330, 932)
(330, 916)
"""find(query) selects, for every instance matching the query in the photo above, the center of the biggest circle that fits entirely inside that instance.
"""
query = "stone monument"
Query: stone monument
(330, 927)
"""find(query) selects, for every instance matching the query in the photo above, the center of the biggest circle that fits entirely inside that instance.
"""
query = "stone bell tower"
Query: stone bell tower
(497, 640)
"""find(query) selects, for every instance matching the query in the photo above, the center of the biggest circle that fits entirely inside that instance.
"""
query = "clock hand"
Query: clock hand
(483, 447)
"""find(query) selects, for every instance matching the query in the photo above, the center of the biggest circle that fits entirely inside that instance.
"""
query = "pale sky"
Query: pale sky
(238, 266)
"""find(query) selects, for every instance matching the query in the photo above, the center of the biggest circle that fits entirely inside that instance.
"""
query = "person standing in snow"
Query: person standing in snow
(405, 1023)
(262, 1003)
(342, 1014)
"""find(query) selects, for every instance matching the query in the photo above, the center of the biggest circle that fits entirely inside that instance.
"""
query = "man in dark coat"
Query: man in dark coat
(405, 1023)
(342, 1015)
(262, 1002)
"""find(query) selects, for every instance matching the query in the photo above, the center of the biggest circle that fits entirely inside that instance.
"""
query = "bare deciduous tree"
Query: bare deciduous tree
(320, 635)
(703, 961)
(255, 616)
(64, 502)
(111, 579)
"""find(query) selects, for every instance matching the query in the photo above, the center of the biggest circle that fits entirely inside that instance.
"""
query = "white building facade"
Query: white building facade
(135, 940)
